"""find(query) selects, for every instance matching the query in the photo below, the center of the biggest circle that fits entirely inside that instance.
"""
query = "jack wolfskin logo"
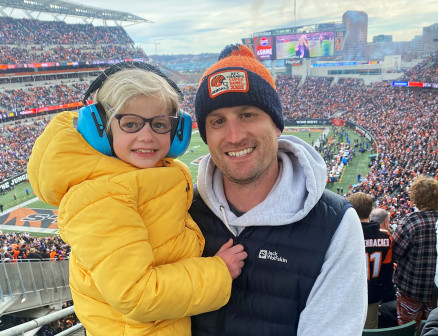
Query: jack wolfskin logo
(265, 254)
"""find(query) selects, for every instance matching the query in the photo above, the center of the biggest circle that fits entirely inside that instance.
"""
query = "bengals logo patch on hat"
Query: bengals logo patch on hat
(227, 81)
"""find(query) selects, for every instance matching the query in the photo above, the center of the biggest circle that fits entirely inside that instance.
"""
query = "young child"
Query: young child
(135, 265)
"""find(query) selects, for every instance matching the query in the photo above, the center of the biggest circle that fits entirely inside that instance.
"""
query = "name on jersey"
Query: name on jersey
(383, 242)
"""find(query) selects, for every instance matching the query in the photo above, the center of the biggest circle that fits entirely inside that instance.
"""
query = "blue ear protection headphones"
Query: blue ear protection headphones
(92, 118)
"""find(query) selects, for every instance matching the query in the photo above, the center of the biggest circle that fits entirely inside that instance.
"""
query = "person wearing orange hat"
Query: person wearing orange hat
(305, 273)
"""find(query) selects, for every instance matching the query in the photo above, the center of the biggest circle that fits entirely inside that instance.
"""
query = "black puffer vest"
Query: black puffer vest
(282, 266)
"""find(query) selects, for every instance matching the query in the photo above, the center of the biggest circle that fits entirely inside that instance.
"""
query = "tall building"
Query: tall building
(416, 45)
(355, 42)
(430, 39)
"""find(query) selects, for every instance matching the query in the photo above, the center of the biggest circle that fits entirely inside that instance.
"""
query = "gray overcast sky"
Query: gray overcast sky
(196, 26)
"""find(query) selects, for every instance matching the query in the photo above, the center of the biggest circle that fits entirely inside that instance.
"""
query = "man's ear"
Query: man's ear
(278, 132)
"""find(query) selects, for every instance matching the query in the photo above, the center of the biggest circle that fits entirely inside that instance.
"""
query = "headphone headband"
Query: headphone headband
(97, 83)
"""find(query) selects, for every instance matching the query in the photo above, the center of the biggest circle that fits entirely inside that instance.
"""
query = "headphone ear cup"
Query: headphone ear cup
(91, 125)
(183, 134)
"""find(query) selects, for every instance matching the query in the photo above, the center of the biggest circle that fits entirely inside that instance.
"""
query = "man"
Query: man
(381, 216)
(378, 250)
(387, 309)
(415, 252)
(34, 255)
(305, 270)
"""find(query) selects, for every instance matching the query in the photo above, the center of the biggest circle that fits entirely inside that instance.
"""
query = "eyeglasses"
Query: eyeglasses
(132, 123)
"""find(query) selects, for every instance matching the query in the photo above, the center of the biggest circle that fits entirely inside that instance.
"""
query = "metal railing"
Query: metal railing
(30, 283)
(41, 321)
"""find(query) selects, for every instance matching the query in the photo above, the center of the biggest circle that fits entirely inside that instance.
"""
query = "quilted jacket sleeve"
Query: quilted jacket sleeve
(110, 241)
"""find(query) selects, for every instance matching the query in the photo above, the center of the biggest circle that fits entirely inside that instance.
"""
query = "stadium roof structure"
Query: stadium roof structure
(65, 8)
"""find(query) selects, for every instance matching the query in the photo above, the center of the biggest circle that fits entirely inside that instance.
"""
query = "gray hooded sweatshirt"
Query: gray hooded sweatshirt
(337, 304)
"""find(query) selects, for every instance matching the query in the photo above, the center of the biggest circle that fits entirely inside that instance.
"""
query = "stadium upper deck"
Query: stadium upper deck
(33, 52)
(67, 8)
(32, 45)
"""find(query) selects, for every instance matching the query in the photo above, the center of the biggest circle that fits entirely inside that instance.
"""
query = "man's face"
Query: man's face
(243, 142)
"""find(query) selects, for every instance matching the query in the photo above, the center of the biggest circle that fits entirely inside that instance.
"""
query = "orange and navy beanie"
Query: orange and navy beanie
(237, 79)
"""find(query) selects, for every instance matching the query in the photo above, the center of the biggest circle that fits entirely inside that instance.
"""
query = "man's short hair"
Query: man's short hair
(379, 215)
(362, 203)
(424, 193)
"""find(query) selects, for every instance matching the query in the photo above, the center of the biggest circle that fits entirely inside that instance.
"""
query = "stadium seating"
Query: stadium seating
(407, 329)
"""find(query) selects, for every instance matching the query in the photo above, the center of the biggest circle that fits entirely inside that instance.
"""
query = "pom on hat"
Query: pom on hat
(235, 50)
(237, 79)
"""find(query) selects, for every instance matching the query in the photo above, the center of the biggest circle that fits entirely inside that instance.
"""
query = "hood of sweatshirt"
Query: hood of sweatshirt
(370, 229)
(300, 184)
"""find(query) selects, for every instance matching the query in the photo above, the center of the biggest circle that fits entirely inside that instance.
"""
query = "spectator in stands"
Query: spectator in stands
(136, 268)
(381, 216)
(5, 255)
(33, 254)
(378, 250)
(269, 195)
(415, 253)
(45, 253)
(53, 253)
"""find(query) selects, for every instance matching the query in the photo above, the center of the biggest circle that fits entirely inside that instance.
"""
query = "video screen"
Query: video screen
(249, 42)
(264, 48)
(305, 45)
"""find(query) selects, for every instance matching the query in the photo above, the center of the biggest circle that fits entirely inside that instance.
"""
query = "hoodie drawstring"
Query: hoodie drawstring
(222, 209)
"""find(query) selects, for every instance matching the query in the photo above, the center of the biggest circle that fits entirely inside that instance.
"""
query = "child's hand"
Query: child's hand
(233, 257)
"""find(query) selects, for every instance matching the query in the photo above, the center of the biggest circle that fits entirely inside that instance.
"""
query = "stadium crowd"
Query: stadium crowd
(60, 53)
(35, 32)
(17, 100)
(22, 245)
(16, 141)
(425, 72)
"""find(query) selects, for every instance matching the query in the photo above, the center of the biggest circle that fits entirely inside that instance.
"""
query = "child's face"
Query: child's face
(144, 148)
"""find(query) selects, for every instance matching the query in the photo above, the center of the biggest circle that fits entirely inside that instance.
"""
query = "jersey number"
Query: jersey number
(376, 260)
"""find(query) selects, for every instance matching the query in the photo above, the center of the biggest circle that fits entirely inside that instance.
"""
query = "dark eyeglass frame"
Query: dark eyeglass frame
(173, 122)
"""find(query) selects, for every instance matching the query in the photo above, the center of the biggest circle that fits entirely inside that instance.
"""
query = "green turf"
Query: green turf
(33, 233)
(359, 164)
(8, 200)
(196, 150)
(40, 205)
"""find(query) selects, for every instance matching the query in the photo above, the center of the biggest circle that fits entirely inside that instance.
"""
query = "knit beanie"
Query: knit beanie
(237, 79)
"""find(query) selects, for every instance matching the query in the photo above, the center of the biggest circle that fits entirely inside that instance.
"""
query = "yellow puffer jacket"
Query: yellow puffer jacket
(135, 265)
